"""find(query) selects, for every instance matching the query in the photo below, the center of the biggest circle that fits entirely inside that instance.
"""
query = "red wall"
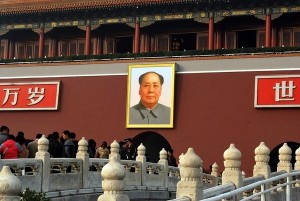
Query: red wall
(212, 110)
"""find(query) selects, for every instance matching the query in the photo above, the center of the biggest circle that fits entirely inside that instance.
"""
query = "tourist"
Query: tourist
(102, 151)
(171, 159)
(130, 149)
(10, 148)
(55, 146)
(33, 146)
(20, 139)
(69, 150)
(4, 131)
(92, 147)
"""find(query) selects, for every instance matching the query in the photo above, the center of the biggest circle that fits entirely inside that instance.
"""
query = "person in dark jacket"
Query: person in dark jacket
(55, 146)
(69, 150)
(171, 159)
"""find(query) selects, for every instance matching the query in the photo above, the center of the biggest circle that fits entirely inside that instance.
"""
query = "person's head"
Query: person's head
(128, 141)
(38, 136)
(72, 135)
(21, 133)
(11, 137)
(50, 136)
(4, 129)
(66, 134)
(91, 143)
(104, 144)
(150, 88)
(122, 144)
(20, 139)
(55, 136)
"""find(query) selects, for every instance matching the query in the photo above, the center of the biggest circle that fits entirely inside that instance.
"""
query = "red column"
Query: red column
(137, 38)
(6, 49)
(100, 46)
(41, 43)
(87, 49)
(211, 33)
(10, 49)
(274, 37)
(268, 30)
(147, 43)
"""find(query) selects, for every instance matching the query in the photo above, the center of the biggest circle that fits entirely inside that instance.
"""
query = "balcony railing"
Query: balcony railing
(156, 55)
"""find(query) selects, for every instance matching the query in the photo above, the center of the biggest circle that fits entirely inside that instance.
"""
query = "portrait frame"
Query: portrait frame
(167, 71)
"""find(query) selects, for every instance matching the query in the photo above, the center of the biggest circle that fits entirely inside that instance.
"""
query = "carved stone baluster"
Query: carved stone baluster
(43, 154)
(191, 182)
(285, 156)
(115, 150)
(113, 184)
(232, 172)
(297, 165)
(261, 167)
(10, 185)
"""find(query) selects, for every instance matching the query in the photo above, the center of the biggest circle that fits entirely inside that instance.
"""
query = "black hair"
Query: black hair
(67, 132)
(161, 78)
(3, 128)
(20, 138)
(55, 135)
(11, 136)
(72, 135)
(38, 136)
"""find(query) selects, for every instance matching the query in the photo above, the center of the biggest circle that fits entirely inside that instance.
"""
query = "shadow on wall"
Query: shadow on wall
(274, 160)
(154, 143)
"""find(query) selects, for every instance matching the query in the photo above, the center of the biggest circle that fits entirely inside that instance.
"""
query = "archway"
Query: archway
(154, 143)
(274, 160)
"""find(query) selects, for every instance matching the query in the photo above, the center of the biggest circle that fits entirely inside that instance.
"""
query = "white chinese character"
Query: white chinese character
(14, 93)
(286, 91)
(36, 96)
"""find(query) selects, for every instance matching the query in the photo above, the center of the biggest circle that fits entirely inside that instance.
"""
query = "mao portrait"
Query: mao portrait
(150, 98)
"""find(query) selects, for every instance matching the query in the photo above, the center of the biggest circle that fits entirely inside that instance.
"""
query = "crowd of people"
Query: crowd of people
(65, 146)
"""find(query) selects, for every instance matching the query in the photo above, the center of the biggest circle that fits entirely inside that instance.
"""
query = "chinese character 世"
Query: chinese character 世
(284, 92)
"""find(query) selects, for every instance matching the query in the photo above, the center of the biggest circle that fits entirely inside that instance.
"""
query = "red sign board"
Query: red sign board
(277, 91)
(29, 96)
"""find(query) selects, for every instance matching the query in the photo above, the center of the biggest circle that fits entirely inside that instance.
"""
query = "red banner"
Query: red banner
(277, 91)
(29, 96)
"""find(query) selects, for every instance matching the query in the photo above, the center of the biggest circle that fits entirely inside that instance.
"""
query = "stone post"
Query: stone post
(10, 185)
(141, 157)
(44, 155)
(262, 159)
(285, 156)
(163, 160)
(191, 182)
(84, 156)
(261, 167)
(297, 164)
(232, 172)
(215, 173)
(115, 150)
(113, 184)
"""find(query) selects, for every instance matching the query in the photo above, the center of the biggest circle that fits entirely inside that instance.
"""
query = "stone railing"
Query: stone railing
(64, 176)
(115, 179)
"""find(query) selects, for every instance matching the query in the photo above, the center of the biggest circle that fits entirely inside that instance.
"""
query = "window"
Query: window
(24, 50)
(162, 43)
(71, 47)
(202, 41)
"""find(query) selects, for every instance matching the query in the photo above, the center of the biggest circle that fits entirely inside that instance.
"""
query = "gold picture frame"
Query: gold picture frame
(150, 95)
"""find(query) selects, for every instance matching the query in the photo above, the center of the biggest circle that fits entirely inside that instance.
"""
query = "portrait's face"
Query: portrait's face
(150, 90)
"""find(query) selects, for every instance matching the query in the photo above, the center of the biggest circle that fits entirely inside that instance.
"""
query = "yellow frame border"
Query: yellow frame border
(130, 69)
